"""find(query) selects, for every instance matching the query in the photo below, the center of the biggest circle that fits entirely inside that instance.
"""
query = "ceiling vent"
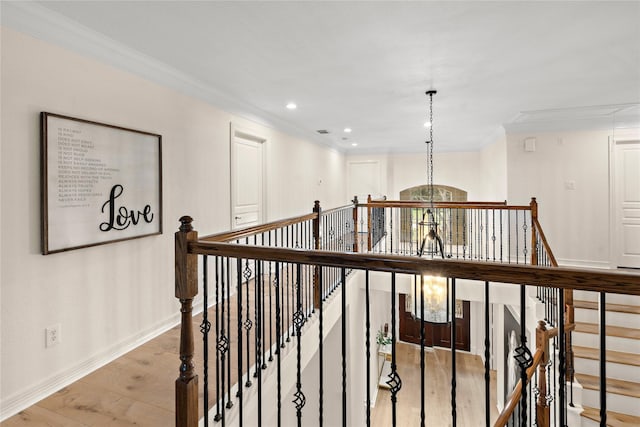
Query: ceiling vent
(323, 131)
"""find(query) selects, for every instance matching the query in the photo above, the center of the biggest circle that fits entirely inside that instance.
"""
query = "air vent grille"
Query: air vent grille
(323, 131)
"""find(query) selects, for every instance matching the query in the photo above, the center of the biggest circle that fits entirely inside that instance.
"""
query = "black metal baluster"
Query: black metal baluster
(394, 382)
(487, 356)
(288, 300)
(223, 343)
(343, 321)
(239, 299)
(523, 355)
(256, 313)
(454, 413)
(486, 237)
(217, 417)
(279, 351)
(229, 402)
(457, 233)
(517, 242)
(320, 355)
(509, 237)
(525, 251)
(270, 306)
(422, 379)
(248, 324)
(561, 360)
(368, 346)
(298, 321)
(602, 311)
(493, 230)
(258, 338)
(263, 312)
(205, 326)
(501, 236)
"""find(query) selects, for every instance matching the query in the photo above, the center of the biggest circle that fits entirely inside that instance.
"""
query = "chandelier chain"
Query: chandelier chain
(431, 150)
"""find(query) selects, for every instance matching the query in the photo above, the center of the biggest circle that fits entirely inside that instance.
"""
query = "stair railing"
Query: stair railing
(302, 266)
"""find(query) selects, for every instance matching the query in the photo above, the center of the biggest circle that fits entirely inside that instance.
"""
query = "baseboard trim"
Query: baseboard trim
(563, 262)
(22, 400)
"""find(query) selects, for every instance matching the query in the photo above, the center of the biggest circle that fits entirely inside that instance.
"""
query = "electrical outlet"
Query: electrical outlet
(52, 335)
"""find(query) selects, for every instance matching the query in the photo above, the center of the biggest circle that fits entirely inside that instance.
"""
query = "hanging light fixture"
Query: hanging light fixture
(431, 293)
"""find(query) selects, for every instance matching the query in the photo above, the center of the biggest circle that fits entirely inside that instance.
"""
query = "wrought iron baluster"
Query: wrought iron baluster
(298, 321)
(263, 323)
(248, 324)
(229, 402)
(523, 355)
(487, 355)
(320, 355)
(270, 307)
(368, 346)
(422, 367)
(454, 412)
(205, 326)
(561, 360)
(239, 308)
(343, 321)
(493, 232)
(222, 345)
(218, 416)
(394, 382)
(278, 351)
(258, 338)
(602, 311)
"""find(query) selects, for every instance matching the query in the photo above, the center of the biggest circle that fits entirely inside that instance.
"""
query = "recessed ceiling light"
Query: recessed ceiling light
(347, 130)
(427, 124)
(292, 106)
(354, 144)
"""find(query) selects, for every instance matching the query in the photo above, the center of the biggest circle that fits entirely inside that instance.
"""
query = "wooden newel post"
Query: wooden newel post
(317, 286)
(534, 232)
(369, 237)
(186, 271)
(355, 224)
(542, 407)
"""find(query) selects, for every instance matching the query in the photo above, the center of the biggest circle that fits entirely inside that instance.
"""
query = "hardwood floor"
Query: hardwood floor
(470, 390)
(138, 389)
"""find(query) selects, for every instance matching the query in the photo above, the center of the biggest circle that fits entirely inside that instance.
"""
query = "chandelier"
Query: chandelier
(431, 293)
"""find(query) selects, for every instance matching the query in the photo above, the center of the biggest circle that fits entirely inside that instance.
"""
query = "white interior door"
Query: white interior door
(363, 179)
(247, 179)
(627, 203)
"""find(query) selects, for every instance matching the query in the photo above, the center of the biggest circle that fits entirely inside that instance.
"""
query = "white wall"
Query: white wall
(109, 298)
(575, 221)
(400, 171)
(493, 162)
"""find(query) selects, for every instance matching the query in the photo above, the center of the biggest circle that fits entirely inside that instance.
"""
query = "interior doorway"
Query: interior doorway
(625, 196)
(247, 178)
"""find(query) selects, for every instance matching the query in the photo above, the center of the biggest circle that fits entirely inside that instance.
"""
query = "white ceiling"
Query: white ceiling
(366, 65)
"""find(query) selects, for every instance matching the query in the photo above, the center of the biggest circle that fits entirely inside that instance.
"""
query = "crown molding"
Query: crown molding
(598, 117)
(44, 24)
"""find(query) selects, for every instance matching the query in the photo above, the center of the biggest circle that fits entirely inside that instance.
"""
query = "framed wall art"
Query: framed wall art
(100, 183)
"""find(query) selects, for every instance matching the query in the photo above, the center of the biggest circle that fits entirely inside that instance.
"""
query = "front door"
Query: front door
(435, 334)
(627, 203)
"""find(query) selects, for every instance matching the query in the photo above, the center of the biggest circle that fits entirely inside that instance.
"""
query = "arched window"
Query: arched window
(451, 222)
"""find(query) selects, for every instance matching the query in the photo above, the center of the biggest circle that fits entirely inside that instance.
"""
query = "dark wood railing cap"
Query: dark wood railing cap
(185, 224)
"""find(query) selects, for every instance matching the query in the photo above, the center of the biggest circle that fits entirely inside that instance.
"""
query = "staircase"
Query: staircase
(623, 358)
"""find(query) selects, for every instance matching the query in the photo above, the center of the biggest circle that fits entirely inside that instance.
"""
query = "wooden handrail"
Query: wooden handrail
(504, 203)
(447, 205)
(562, 277)
(339, 208)
(229, 236)
(543, 239)
(514, 398)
